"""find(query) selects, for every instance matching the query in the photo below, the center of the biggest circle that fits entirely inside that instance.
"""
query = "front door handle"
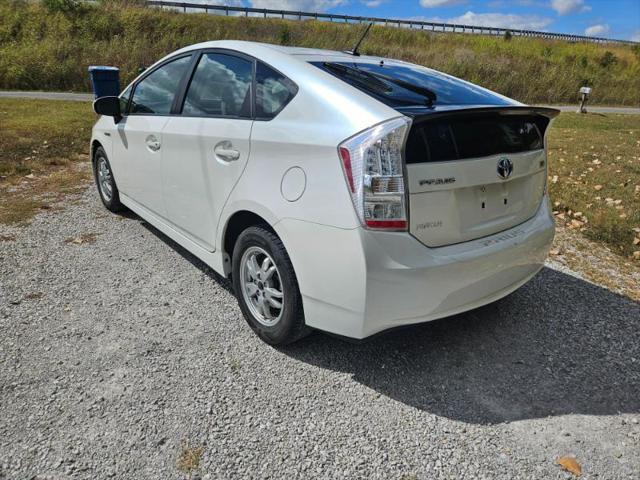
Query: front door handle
(225, 151)
(153, 143)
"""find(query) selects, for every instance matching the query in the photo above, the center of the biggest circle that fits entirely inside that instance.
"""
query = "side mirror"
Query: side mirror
(109, 106)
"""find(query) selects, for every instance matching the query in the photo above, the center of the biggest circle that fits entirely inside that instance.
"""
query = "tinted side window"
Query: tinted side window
(273, 91)
(221, 86)
(154, 94)
(124, 100)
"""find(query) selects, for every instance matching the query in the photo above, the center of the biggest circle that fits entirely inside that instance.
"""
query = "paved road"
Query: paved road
(117, 354)
(597, 109)
(88, 96)
(48, 95)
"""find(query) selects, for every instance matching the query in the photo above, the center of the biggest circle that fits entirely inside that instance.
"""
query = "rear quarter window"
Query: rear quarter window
(273, 91)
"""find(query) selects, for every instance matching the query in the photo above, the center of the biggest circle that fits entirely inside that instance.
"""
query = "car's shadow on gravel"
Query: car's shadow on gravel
(191, 258)
(559, 345)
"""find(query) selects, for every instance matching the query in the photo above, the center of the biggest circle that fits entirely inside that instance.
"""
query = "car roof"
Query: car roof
(302, 53)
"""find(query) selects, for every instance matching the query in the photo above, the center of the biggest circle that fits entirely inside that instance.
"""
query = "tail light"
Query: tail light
(374, 169)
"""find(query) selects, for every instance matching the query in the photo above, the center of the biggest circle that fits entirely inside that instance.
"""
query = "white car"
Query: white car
(339, 192)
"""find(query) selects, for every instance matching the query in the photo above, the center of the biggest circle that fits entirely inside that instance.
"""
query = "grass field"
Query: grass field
(45, 50)
(41, 144)
(594, 177)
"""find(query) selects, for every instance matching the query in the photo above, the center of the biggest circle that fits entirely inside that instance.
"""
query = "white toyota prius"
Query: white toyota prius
(339, 192)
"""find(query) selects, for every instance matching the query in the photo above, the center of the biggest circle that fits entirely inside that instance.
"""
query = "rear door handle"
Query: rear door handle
(225, 151)
(153, 143)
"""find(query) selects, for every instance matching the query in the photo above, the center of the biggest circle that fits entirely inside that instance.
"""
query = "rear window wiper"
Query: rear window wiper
(427, 93)
(365, 79)
(379, 82)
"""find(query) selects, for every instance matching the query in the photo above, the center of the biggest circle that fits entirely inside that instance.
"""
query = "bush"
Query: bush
(507, 35)
(284, 36)
(608, 59)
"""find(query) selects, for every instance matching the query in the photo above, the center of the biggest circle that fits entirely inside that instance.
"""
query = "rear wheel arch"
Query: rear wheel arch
(236, 224)
(267, 289)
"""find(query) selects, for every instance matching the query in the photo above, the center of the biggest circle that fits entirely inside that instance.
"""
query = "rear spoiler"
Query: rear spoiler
(419, 115)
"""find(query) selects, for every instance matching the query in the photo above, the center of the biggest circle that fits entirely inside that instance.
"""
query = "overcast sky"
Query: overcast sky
(602, 18)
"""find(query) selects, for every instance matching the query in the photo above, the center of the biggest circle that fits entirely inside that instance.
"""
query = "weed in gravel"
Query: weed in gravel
(235, 365)
(190, 457)
(33, 296)
(82, 238)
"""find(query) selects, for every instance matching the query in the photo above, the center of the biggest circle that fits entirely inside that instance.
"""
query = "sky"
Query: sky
(618, 19)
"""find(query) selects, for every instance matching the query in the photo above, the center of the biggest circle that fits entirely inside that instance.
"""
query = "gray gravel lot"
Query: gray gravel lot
(115, 355)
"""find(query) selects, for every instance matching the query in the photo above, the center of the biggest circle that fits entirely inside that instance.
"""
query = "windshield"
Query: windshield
(410, 85)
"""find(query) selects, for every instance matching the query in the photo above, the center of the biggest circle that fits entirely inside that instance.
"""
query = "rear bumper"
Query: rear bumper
(409, 283)
(386, 280)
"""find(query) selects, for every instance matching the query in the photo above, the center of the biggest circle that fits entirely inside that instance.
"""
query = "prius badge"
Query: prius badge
(505, 168)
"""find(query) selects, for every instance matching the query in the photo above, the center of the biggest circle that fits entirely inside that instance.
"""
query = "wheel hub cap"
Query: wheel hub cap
(105, 179)
(261, 286)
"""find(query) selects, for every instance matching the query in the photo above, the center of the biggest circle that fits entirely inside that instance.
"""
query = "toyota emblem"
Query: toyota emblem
(505, 168)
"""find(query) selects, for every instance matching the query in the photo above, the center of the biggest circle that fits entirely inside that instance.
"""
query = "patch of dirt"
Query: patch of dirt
(595, 262)
(24, 198)
(33, 296)
(82, 238)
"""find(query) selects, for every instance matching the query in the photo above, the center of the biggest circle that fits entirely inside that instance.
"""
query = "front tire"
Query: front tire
(105, 181)
(266, 287)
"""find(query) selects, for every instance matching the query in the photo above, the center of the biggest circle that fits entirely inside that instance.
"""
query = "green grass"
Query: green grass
(47, 50)
(39, 141)
(36, 134)
(594, 177)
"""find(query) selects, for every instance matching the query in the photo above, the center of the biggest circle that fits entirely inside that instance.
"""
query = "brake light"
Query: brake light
(346, 164)
(374, 170)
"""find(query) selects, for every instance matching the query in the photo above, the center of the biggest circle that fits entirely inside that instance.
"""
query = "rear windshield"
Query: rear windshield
(409, 85)
(471, 137)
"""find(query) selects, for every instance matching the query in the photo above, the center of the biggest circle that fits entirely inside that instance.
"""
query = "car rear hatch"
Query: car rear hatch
(474, 172)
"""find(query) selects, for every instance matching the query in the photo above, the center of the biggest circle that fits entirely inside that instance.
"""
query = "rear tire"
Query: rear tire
(266, 287)
(106, 183)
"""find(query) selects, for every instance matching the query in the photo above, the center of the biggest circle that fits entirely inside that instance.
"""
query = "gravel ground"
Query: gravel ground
(120, 351)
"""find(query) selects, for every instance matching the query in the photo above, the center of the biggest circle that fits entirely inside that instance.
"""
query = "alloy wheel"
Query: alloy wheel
(105, 179)
(261, 286)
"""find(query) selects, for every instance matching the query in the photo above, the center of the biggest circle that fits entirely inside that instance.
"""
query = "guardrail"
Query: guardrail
(388, 22)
